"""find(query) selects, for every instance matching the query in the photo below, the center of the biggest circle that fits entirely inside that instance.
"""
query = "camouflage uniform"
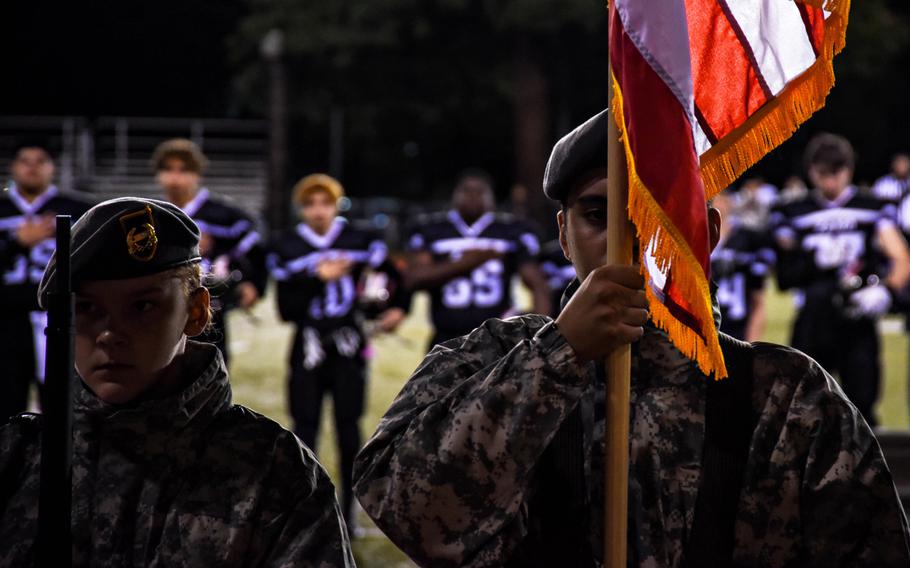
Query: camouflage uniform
(189, 480)
(454, 468)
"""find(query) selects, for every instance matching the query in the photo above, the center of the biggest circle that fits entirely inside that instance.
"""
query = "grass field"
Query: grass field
(259, 345)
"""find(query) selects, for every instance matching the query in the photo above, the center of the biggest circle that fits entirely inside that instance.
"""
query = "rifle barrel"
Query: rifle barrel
(54, 544)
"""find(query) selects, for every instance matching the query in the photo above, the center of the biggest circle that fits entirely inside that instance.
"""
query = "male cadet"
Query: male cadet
(27, 227)
(845, 255)
(323, 268)
(739, 265)
(492, 454)
(466, 258)
(232, 256)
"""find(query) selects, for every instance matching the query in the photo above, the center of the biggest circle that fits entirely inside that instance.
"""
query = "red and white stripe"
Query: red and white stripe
(690, 73)
(723, 59)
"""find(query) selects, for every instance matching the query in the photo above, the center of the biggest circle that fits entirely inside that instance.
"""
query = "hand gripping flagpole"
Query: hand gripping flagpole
(54, 545)
(618, 363)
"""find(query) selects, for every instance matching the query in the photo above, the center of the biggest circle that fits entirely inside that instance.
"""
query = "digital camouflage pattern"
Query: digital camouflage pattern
(189, 480)
(454, 464)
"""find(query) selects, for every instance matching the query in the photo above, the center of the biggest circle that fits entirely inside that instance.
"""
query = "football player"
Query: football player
(845, 255)
(739, 264)
(326, 270)
(27, 226)
(233, 257)
(467, 257)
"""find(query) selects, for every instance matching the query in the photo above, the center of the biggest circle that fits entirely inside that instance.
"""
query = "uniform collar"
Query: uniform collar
(31, 208)
(197, 403)
(196, 202)
(322, 241)
(841, 200)
(474, 230)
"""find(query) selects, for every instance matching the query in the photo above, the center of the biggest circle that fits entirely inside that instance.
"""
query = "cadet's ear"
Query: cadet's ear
(714, 221)
(563, 241)
(199, 312)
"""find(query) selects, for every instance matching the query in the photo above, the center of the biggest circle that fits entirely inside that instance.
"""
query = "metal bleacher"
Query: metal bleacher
(109, 156)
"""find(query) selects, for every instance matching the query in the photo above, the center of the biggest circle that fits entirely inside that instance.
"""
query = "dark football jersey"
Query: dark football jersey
(305, 299)
(739, 264)
(463, 303)
(237, 253)
(22, 267)
(558, 271)
(897, 192)
(835, 244)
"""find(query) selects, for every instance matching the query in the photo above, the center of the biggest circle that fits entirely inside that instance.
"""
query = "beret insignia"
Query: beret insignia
(141, 237)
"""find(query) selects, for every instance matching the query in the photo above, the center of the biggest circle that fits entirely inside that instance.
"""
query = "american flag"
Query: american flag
(702, 90)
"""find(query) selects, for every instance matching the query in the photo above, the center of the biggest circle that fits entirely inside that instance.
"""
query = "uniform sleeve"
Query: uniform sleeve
(248, 253)
(795, 268)
(887, 216)
(8, 244)
(10, 250)
(528, 249)
(885, 188)
(762, 262)
(18, 294)
(851, 512)
(377, 250)
(301, 525)
(254, 263)
(400, 296)
(818, 492)
(448, 472)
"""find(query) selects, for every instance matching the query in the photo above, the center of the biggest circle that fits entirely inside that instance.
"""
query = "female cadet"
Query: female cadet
(166, 471)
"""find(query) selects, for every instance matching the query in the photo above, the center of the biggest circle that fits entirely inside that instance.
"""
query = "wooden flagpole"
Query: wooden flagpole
(618, 364)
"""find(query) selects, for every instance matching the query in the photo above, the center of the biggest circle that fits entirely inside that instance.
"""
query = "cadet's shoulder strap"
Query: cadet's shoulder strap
(729, 424)
(557, 519)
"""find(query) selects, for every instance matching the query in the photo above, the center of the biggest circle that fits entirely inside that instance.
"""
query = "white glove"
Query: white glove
(221, 268)
(313, 354)
(870, 301)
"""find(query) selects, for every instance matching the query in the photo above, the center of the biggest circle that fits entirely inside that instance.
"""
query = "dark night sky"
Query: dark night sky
(168, 58)
(116, 58)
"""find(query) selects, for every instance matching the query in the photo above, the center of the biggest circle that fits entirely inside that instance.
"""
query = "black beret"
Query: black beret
(125, 238)
(577, 153)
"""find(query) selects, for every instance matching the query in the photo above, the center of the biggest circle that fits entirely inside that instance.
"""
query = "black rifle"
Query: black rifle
(54, 545)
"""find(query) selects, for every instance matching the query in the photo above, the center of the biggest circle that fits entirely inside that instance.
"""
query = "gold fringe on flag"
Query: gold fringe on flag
(779, 118)
(659, 236)
(771, 125)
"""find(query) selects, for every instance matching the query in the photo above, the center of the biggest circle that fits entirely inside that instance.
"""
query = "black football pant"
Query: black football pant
(17, 352)
(345, 379)
(847, 347)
